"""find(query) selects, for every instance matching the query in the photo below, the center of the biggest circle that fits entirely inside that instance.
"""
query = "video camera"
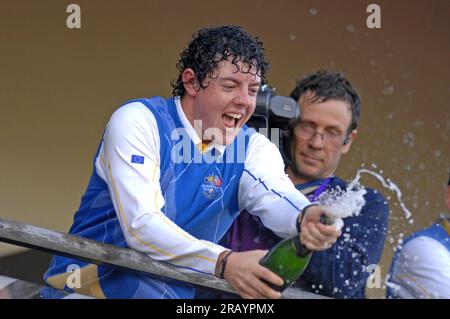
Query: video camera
(273, 111)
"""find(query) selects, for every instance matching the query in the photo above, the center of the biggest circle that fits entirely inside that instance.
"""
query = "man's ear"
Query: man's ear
(190, 82)
(348, 141)
(447, 198)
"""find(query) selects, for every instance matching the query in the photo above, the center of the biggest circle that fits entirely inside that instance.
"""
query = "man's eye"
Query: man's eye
(253, 91)
(308, 126)
(333, 133)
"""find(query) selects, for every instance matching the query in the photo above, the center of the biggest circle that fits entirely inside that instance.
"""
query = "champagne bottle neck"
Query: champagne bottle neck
(301, 250)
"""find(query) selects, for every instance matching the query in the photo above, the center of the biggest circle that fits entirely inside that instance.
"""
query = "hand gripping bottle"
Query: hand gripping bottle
(289, 258)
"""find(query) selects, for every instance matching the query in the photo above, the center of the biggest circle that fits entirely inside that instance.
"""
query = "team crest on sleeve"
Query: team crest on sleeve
(211, 186)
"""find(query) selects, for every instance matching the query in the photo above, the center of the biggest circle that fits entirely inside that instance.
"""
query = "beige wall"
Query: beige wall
(59, 86)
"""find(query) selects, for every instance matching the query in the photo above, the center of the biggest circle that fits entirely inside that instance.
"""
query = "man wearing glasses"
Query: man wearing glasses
(330, 110)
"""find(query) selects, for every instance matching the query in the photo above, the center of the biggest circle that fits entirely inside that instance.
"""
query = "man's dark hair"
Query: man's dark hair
(329, 85)
(210, 46)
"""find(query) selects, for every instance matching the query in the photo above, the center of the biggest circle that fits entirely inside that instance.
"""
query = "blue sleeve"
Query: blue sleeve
(339, 272)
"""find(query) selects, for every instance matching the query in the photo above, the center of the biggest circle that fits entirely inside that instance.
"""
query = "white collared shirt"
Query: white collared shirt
(191, 130)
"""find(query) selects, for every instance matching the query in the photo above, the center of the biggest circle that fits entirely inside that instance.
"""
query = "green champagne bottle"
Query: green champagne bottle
(288, 259)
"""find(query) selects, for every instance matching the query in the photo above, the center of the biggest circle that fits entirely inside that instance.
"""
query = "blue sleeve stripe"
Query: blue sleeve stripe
(273, 191)
(193, 269)
(287, 199)
(256, 179)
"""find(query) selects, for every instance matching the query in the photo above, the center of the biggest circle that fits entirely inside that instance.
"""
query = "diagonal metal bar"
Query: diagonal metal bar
(17, 233)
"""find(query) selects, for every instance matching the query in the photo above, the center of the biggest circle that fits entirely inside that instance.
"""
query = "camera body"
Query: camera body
(274, 117)
(273, 111)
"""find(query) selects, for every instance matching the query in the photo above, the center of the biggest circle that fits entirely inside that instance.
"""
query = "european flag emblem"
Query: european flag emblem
(137, 159)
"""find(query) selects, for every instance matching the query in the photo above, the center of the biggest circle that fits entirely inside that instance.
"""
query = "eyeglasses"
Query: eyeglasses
(307, 131)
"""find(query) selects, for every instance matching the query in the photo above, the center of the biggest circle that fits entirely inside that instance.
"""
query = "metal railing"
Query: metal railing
(80, 248)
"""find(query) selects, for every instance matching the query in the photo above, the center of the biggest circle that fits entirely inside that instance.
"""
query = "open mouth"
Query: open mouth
(230, 120)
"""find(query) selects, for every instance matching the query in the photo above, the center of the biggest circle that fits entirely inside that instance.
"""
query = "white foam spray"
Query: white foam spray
(341, 203)
(389, 185)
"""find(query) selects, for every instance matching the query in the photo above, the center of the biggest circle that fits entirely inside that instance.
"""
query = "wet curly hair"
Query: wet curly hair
(210, 46)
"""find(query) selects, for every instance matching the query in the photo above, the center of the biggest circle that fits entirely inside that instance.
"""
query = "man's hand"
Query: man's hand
(244, 273)
(314, 234)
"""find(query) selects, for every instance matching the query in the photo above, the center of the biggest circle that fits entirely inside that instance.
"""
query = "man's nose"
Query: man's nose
(243, 98)
(316, 141)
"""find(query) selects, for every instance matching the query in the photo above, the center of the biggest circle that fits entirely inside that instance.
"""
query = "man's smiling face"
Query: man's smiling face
(227, 102)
